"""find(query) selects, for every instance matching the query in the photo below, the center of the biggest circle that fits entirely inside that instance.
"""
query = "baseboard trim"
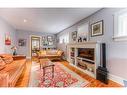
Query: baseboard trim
(116, 79)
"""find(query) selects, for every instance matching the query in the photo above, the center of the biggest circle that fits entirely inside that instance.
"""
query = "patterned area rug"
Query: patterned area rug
(63, 77)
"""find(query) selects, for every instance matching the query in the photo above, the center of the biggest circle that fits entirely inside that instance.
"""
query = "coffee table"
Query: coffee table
(45, 63)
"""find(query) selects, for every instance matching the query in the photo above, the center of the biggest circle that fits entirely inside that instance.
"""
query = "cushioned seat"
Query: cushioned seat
(11, 72)
(51, 54)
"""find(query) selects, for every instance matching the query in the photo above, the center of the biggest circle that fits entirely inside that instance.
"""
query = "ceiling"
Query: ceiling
(47, 20)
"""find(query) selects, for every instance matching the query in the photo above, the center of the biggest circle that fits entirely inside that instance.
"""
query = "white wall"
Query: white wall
(116, 51)
(6, 28)
(20, 34)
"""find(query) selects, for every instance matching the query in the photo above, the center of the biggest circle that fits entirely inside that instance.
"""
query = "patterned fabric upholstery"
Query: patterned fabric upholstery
(51, 54)
(2, 64)
(7, 58)
(12, 71)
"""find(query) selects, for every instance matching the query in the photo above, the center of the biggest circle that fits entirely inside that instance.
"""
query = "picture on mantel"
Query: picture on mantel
(97, 28)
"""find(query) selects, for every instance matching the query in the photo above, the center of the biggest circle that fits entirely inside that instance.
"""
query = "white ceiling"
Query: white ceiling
(48, 20)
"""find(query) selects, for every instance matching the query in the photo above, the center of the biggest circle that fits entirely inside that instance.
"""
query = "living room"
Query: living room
(31, 37)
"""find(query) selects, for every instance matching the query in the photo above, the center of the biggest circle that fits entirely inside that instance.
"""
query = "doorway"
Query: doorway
(35, 45)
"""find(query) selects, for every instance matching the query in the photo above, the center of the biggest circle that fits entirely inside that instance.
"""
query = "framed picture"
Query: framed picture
(50, 38)
(74, 35)
(7, 39)
(97, 28)
(22, 42)
(50, 43)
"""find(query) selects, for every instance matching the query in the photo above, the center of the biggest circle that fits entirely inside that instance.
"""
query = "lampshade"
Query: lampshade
(13, 48)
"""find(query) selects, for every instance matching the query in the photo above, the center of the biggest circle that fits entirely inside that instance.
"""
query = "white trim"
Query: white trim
(30, 41)
(116, 79)
(120, 38)
(116, 36)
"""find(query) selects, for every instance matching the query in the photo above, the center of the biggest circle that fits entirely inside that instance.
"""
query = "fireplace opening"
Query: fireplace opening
(87, 53)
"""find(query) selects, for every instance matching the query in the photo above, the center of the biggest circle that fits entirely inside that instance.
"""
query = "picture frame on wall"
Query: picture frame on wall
(43, 38)
(22, 42)
(97, 28)
(74, 35)
(7, 39)
(50, 38)
(50, 43)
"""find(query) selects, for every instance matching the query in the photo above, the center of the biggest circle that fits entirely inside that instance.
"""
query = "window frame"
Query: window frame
(116, 33)
(64, 37)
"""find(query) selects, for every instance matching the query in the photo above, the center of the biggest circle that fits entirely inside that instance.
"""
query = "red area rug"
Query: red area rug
(63, 77)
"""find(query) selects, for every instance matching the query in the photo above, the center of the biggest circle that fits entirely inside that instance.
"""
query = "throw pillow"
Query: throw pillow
(59, 52)
(5, 55)
(51, 52)
(8, 60)
(2, 64)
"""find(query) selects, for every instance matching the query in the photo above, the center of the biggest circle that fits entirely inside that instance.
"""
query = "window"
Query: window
(64, 38)
(120, 25)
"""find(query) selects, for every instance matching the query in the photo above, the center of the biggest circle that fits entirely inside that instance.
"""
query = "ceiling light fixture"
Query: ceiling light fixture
(24, 20)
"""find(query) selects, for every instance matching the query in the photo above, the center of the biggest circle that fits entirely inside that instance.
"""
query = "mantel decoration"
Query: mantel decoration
(7, 39)
(74, 35)
(22, 42)
(97, 28)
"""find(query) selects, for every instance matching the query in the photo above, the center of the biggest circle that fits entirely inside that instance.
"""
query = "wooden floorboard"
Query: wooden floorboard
(24, 79)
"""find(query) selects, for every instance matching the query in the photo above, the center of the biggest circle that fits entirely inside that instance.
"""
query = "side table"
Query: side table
(19, 57)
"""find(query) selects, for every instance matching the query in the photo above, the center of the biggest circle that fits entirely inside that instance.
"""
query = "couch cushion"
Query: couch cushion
(8, 58)
(14, 66)
(2, 64)
(59, 52)
(43, 52)
(51, 52)
(5, 55)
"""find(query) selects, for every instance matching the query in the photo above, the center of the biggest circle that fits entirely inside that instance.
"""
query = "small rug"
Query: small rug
(63, 77)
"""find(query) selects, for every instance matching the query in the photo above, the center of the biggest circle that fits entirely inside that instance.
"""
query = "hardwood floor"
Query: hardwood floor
(93, 82)
(24, 79)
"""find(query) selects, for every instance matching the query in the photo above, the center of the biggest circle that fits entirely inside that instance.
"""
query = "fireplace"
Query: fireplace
(84, 56)
(87, 53)
(85, 65)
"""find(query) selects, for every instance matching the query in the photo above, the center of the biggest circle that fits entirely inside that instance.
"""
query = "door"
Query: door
(35, 45)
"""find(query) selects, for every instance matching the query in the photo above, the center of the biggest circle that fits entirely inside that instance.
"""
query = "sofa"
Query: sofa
(10, 70)
(50, 54)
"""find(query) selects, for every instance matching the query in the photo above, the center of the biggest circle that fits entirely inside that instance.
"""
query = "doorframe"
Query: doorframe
(31, 43)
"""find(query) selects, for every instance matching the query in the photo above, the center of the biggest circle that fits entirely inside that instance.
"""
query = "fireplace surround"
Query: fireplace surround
(84, 56)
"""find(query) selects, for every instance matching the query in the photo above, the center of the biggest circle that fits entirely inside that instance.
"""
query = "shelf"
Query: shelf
(73, 48)
(85, 59)
(72, 57)
(85, 71)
